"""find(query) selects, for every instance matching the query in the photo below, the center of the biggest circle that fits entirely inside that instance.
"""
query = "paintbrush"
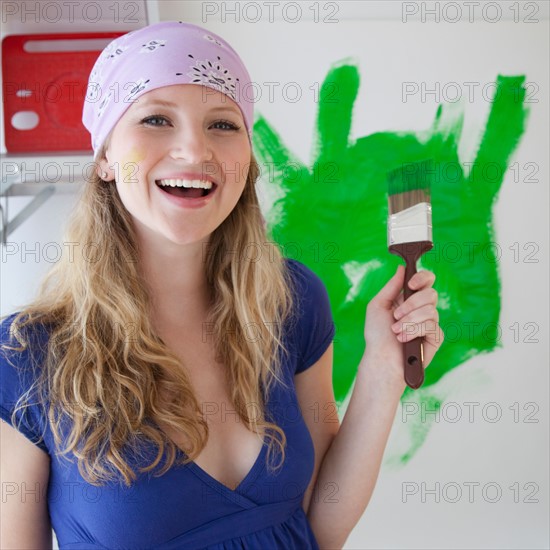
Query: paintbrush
(410, 236)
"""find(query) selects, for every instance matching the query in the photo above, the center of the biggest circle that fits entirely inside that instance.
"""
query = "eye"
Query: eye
(226, 125)
(152, 120)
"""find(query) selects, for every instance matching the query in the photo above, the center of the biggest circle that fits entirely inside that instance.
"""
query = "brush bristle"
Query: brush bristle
(410, 184)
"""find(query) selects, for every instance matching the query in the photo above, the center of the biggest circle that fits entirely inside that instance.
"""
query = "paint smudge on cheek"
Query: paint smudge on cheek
(130, 165)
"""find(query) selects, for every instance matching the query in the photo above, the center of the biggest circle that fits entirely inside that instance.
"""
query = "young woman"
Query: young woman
(161, 390)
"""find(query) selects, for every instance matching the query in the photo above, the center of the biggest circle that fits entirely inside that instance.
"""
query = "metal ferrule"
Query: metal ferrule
(411, 225)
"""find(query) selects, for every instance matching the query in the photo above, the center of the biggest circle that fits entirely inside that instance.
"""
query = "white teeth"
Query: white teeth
(198, 184)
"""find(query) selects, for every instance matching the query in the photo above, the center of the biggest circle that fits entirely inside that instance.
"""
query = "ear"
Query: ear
(103, 169)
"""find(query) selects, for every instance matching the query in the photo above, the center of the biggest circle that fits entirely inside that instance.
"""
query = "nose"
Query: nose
(191, 144)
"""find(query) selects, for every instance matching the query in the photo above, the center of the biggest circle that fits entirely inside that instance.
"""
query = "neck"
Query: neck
(176, 280)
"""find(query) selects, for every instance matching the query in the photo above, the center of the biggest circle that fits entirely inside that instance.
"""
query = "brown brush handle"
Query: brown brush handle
(412, 350)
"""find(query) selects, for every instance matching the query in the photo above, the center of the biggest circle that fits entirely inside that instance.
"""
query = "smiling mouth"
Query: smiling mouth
(188, 189)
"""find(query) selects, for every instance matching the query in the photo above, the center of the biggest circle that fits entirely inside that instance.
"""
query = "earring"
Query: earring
(104, 175)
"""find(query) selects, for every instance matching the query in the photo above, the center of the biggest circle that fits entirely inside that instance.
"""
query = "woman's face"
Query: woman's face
(180, 135)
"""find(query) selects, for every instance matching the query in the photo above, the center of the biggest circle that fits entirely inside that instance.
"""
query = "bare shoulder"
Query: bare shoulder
(24, 475)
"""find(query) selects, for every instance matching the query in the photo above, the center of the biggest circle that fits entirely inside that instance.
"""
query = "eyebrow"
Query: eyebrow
(169, 104)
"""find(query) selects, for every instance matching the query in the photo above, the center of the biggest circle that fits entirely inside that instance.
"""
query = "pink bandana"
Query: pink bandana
(162, 54)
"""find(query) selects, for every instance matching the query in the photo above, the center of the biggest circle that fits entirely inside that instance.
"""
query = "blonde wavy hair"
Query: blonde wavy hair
(108, 372)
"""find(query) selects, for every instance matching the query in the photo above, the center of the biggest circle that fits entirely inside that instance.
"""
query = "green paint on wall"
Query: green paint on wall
(332, 217)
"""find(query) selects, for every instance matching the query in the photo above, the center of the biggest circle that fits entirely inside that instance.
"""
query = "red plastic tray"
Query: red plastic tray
(51, 84)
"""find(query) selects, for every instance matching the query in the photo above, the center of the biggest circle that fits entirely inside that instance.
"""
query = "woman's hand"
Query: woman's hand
(390, 321)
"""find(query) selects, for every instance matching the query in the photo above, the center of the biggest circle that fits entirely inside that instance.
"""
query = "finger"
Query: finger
(390, 291)
(434, 339)
(398, 301)
(429, 330)
(423, 314)
(428, 296)
(422, 279)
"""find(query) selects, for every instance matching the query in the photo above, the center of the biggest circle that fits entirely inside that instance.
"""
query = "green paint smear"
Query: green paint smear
(332, 216)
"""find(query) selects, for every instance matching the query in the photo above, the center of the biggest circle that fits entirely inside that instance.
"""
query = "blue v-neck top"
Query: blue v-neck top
(186, 508)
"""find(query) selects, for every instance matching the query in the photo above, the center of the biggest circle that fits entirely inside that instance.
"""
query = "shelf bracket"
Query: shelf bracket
(41, 196)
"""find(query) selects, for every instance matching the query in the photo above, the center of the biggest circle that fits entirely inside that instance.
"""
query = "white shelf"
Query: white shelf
(39, 176)
(20, 174)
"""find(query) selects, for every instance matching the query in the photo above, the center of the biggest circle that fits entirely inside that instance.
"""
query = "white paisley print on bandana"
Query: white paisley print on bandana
(214, 40)
(213, 74)
(152, 45)
(138, 87)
